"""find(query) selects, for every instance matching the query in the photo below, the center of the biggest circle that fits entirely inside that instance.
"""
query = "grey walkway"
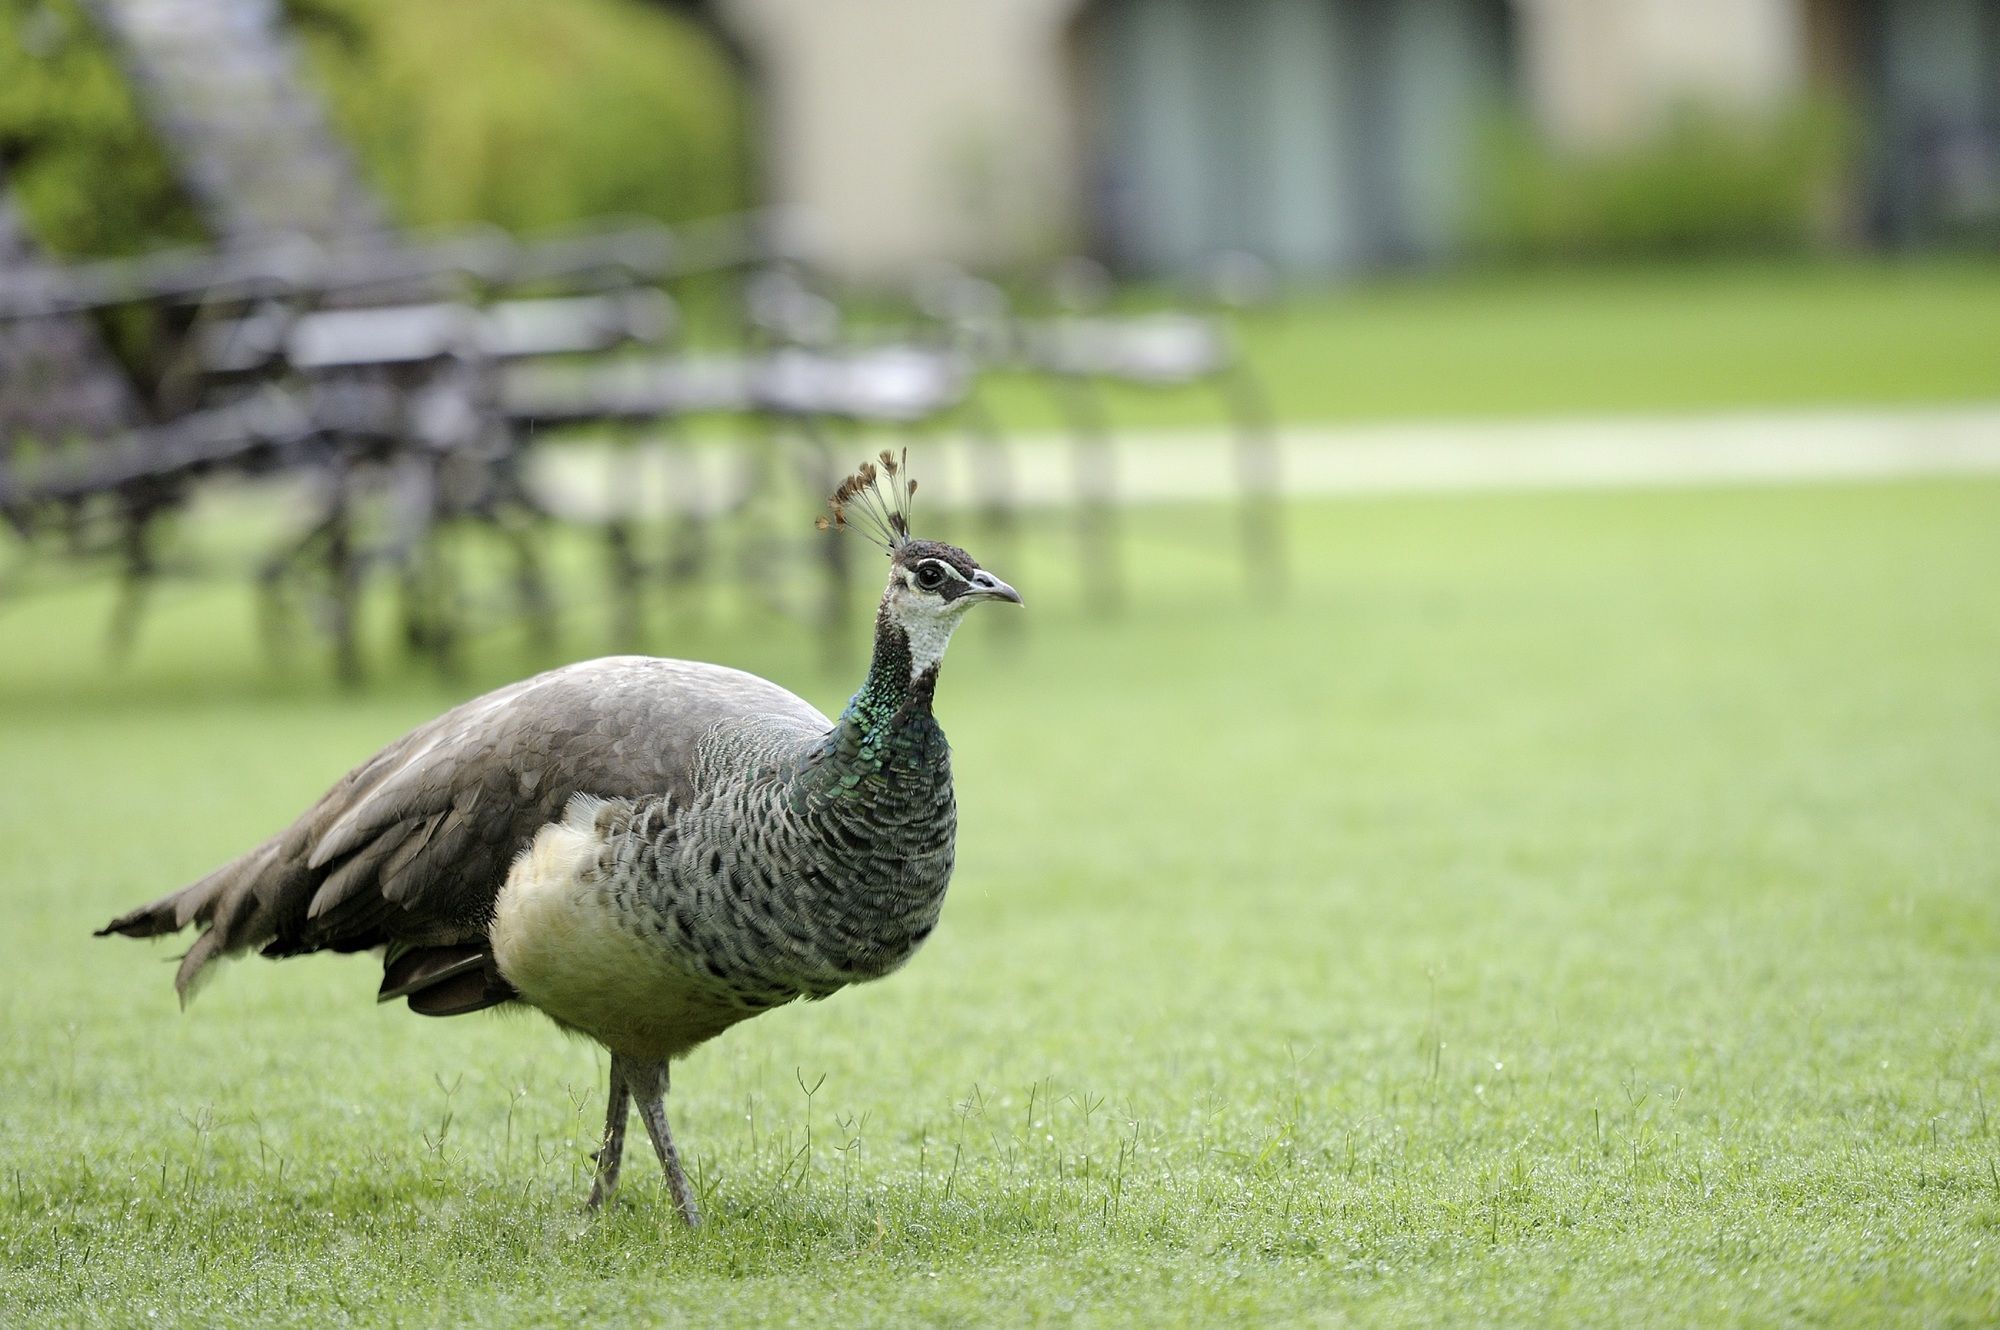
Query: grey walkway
(1791, 447)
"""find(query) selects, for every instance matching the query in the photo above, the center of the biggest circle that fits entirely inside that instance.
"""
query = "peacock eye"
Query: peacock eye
(930, 576)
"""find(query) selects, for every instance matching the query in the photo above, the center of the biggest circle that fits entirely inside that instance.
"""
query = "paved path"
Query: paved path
(1444, 457)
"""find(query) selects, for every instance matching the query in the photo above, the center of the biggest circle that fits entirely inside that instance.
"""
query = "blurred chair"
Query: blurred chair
(795, 375)
(314, 287)
(83, 462)
(220, 79)
(394, 398)
(1082, 346)
(458, 458)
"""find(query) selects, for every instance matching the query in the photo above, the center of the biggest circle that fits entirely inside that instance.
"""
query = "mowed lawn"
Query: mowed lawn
(1575, 909)
(1587, 341)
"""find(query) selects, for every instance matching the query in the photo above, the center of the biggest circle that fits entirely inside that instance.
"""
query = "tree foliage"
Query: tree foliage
(525, 113)
(77, 155)
(1705, 183)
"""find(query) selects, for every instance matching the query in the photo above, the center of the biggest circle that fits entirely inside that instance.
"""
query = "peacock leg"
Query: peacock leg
(649, 1087)
(612, 1151)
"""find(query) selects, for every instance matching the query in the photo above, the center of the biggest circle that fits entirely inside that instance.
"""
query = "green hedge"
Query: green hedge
(1706, 184)
(532, 113)
(78, 158)
(528, 113)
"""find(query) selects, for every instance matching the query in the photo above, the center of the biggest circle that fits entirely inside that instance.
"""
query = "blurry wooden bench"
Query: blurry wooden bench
(1083, 347)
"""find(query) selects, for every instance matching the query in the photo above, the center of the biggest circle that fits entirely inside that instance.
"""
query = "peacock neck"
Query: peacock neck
(894, 691)
(888, 722)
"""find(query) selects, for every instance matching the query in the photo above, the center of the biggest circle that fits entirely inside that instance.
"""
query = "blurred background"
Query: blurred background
(378, 257)
(1326, 136)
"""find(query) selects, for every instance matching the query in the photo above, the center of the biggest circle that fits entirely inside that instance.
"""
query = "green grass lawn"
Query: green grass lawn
(1611, 340)
(1577, 909)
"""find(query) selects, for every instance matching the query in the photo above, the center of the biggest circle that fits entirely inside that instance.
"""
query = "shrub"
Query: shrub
(79, 159)
(532, 114)
(522, 112)
(1705, 184)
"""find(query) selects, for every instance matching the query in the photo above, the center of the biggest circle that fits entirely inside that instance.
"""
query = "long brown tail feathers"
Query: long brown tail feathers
(231, 906)
(225, 901)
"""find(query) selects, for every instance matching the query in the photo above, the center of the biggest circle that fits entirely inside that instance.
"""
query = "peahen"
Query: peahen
(648, 851)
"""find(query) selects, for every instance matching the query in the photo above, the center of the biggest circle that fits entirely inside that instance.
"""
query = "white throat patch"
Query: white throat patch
(926, 621)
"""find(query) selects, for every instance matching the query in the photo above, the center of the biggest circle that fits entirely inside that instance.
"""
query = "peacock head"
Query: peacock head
(931, 584)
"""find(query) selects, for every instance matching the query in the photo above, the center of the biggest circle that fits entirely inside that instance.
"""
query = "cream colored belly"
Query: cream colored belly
(559, 942)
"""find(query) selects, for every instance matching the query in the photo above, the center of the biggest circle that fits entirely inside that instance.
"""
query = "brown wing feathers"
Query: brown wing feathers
(410, 848)
(301, 891)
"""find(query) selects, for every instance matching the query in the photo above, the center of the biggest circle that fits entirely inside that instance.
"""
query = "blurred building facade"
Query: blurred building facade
(1924, 78)
(1324, 134)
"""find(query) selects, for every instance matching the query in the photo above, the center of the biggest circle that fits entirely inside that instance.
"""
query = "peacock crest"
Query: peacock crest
(873, 502)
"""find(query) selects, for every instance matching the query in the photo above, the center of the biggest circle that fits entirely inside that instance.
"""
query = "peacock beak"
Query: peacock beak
(985, 586)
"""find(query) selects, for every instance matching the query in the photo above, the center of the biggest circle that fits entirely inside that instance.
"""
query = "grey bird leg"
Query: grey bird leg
(612, 1151)
(649, 1087)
